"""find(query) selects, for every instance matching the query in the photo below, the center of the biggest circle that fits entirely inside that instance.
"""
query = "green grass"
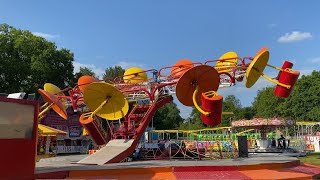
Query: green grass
(313, 158)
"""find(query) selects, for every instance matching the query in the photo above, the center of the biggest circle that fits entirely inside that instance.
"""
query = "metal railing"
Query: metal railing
(188, 150)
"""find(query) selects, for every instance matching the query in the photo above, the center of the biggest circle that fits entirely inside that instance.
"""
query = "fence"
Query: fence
(71, 149)
(188, 150)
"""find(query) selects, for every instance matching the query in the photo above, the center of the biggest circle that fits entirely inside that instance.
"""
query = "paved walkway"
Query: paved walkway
(265, 166)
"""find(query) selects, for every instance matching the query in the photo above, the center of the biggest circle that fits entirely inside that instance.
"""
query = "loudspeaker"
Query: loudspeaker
(243, 146)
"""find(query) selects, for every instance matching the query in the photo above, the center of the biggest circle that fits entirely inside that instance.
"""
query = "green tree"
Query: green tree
(167, 117)
(230, 104)
(112, 72)
(304, 102)
(245, 113)
(28, 61)
(266, 104)
(193, 122)
(84, 72)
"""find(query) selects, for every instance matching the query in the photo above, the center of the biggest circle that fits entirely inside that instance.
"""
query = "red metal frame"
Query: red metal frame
(167, 67)
(75, 94)
(142, 127)
(233, 74)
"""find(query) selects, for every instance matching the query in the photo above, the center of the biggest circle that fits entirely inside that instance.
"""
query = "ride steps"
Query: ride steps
(113, 149)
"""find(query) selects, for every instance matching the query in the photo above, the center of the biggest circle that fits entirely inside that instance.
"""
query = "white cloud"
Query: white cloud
(98, 71)
(295, 36)
(312, 65)
(45, 35)
(127, 65)
(314, 60)
(305, 72)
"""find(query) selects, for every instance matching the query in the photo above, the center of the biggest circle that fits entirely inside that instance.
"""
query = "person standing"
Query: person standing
(281, 142)
(91, 146)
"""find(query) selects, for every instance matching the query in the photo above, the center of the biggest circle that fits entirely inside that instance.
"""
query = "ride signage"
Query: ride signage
(312, 138)
(75, 131)
(313, 143)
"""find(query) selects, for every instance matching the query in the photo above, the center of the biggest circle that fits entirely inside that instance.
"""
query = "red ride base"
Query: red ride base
(285, 65)
(289, 78)
(96, 132)
(213, 105)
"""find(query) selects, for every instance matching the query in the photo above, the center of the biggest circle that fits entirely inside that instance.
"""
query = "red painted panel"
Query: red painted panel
(288, 78)
(17, 155)
(285, 65)
(214, 106)
(53, 175)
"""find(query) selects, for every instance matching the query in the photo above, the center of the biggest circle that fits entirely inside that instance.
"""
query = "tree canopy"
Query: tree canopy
(303, 104)
(113, 72)
(167, 117)
(245, 113)
(193, 122)
(84, 71)
(230, 104)
(266, 103)
(28, 61)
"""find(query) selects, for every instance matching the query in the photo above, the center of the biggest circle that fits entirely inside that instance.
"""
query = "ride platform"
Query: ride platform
(274, 150)
(262, 166)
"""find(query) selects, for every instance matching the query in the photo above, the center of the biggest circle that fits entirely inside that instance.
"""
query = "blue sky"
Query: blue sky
(154, 34)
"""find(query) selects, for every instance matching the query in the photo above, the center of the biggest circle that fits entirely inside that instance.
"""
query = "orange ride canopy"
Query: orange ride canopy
(261, 51)
(181, 67)
(203, 76)
(55, 90)
(83, 81)
(57, 105)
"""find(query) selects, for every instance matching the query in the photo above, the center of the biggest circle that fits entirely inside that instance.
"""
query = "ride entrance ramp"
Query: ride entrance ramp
(115, 149)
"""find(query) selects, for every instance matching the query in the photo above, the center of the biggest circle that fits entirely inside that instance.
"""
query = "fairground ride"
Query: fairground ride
(128, 103)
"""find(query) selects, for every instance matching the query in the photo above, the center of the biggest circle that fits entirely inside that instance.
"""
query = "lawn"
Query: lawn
(313, 158)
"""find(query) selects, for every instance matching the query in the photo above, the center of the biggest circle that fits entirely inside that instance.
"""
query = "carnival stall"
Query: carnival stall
(309, 132)
(47, 141)
(263, 125)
